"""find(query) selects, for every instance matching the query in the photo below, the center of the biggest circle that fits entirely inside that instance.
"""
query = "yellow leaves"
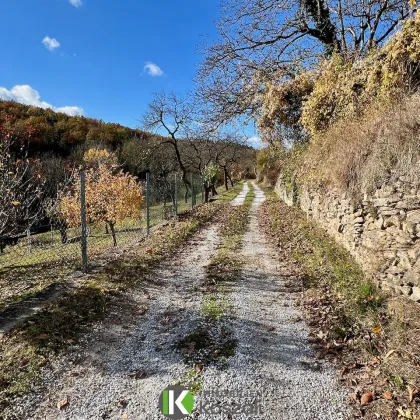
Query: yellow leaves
(16, 203)
(344, 88)
(43, 336)
(96, 157)
(406, 414)
(110, 198)
(390, 353)
(412, 3)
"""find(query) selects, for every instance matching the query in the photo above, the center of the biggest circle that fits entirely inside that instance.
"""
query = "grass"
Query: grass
(373, 336)
(228, 196)
(31, 346)
(225, 265)
(27, 270)
(213, 341)
(214, 307)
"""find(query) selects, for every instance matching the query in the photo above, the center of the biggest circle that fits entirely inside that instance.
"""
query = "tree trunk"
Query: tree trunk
(114, 237)
(106, 229)
(63, 233)
(213, 190)
(231, 181)
(225, 178)
(206, 193)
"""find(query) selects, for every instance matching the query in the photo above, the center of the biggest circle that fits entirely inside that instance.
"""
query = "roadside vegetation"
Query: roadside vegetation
(373, 337)
(30, 347)
(213, 340)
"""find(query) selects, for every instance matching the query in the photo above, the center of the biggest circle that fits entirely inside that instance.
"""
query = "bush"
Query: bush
(358, 155)
(344, 89)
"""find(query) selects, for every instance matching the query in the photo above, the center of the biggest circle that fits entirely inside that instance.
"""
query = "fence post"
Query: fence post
(176, 195)
(83, 220)
(202, 190)
(147, 203)
(192, 192)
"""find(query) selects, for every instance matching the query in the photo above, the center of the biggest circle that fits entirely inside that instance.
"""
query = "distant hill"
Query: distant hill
(60, 133)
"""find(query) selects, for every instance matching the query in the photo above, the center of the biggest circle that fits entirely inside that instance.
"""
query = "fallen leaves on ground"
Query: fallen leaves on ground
(366, 398)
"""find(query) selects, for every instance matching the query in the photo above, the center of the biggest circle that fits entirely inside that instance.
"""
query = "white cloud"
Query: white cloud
(50, 43)
(255, 142)
(76, 3)
(28, 96)
(153, 69)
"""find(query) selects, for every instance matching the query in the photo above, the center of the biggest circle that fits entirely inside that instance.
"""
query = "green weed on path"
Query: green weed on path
(214, 342)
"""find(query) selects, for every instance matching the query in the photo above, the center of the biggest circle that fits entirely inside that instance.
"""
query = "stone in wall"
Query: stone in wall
(382, 232)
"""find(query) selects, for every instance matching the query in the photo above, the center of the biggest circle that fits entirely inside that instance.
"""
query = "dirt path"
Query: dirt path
(126, 362)
(101, 383)
(240, 198)
(273, 356)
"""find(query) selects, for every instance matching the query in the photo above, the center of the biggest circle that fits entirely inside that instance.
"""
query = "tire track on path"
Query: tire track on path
(124, 368)
(273, 354)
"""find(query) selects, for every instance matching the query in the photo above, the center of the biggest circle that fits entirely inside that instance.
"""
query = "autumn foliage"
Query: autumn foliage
(356, 115)
(110, 198)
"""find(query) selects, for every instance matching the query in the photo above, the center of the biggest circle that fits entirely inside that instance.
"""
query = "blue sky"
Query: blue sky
(91, 54)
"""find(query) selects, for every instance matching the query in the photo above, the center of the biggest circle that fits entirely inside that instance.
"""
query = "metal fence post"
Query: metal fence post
(176, 195)
(83, 220)
(192, 192)
(202, 190)
(148, 203)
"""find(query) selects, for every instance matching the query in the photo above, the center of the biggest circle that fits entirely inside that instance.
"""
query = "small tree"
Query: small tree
(21, 187)
(173, 115)
(210, 172)
(110, 198)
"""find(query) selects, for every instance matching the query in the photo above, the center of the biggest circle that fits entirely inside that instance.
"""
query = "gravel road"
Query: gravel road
(274, 366)
(120, 368)
(240, 198)
(102, 384)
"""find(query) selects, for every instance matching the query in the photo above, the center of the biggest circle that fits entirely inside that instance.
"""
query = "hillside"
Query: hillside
(60, 133)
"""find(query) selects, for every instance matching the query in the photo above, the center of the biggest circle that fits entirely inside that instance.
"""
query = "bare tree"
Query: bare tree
(262, 40)
(229, 151)
(171, 114)
(20, 190)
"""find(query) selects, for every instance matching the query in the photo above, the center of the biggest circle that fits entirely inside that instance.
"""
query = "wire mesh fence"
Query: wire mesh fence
(88, 233)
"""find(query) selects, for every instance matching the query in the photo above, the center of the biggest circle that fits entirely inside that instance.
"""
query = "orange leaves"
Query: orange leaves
(377, 330)
(110, 198)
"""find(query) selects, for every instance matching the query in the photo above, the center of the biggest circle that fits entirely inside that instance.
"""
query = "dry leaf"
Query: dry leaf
(124, 416)
(377, 330)
(150, 251)
(366, 398)
(199, 367)
(44, 336)
(70, 340)
(412, 393)
(387, 395)
(63, 403)
(389, 353)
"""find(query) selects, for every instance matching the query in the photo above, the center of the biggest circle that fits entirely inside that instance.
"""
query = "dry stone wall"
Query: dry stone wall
(382, 232)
